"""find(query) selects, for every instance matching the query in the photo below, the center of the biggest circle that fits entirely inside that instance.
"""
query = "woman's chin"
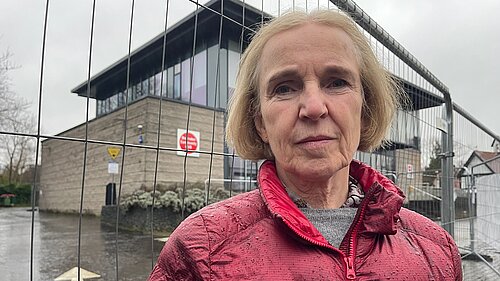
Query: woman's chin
(314, 169)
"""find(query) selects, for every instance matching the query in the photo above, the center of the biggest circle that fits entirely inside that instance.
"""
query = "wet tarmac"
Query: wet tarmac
(56, 238)
(55, 243)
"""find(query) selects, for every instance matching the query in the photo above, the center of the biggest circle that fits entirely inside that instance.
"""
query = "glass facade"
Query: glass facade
(199, 81)
(406, 129)
(232, 66)
(201, 89)
(242, 172)
(382, 160)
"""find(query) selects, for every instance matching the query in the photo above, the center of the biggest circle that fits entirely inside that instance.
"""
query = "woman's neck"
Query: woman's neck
(327, 193)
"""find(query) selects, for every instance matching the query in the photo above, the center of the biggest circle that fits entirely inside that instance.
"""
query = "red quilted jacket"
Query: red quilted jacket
(262, 235)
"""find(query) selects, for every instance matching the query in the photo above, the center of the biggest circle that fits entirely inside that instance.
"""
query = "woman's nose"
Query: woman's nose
(312, 103)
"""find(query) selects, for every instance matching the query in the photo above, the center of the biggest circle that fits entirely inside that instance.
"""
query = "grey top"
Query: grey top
(333, 224)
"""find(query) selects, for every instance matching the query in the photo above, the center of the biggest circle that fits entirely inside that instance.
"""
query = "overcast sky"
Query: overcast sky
(455, 40)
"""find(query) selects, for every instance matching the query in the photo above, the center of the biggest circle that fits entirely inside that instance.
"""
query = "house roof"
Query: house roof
(494, 165)
(476, 161)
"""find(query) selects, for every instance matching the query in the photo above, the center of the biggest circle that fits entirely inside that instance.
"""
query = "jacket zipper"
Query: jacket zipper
(349, 259)
(351, 250)
(353, 233)
(350, 272)
(305, 237)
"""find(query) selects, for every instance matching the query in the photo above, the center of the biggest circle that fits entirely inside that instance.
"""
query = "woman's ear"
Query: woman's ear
(261, 129)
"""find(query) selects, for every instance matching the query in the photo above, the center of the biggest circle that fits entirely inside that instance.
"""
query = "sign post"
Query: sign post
(113, 169)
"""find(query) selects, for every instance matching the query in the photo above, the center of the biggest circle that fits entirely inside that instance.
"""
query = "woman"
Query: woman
(310, 92)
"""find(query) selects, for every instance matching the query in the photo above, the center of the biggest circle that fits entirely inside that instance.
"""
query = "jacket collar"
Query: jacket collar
(381, 213)
(385, 199)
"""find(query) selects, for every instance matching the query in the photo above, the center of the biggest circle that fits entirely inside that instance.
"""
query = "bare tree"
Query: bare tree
(8, 101)
(16, 150)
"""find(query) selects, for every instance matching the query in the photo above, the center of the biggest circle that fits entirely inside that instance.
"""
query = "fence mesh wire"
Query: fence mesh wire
(153, 139)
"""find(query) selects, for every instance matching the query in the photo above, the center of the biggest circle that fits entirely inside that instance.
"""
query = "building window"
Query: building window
(186, 79)
(383, 160)
(233, 65)
(212, 73)
(113, 102)
(121, 99)
(145, 87)
(177, 81)
(130, 95)
(406, 129)
(168, 82)
(99, 107)
(199, 93)
(222, 100)
(107, 107)
(151, 82)
(242, 172)
(158, 86)
(138, 90)
(133, 93)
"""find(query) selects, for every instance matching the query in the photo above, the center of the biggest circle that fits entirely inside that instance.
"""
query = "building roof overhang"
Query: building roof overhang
(419, 98)
(147, 59)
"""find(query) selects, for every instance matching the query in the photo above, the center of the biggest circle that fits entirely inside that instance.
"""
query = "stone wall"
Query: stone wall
(63, 160)
(139, 219)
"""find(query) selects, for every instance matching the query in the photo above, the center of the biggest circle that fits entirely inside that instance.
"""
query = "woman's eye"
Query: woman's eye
(283, 89)
(338, 83)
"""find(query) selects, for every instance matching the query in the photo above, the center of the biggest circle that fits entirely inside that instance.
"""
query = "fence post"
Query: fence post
(472, 213)
(447, 192)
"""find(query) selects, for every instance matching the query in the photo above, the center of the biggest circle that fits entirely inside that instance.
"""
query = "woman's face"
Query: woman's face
(310, 100)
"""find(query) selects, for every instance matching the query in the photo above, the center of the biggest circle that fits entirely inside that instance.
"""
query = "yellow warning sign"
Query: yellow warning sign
(114, 151)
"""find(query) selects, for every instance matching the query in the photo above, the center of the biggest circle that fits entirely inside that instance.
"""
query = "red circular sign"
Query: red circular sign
(192, 142)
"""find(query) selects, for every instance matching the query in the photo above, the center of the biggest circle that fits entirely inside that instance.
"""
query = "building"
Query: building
(480, 180)
(193, 87)
(476, 159)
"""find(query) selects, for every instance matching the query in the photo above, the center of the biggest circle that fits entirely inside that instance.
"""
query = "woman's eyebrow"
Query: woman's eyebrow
(340, 71)
(291, 71)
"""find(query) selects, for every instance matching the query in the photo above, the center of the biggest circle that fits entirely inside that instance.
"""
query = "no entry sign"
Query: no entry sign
(188, 141)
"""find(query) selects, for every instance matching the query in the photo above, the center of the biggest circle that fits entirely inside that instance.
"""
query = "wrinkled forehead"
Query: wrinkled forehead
(331, 43)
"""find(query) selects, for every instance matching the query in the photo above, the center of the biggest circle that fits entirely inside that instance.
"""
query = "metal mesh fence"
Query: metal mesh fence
(152, 141)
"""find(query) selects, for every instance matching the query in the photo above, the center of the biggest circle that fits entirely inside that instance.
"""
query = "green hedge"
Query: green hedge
(22, 192)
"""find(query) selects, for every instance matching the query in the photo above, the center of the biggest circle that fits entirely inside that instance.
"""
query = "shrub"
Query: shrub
(171, 197)
(22, 192)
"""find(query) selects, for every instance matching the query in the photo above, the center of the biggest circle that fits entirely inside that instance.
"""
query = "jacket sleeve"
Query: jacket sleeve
(185, 255)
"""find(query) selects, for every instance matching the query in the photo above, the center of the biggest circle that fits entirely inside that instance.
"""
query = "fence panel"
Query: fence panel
(151, 148)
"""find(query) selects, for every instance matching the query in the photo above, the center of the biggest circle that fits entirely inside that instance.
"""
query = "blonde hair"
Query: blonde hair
(381, 93)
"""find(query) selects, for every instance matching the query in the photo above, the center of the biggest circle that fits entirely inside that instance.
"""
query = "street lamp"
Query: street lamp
(141, 138)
